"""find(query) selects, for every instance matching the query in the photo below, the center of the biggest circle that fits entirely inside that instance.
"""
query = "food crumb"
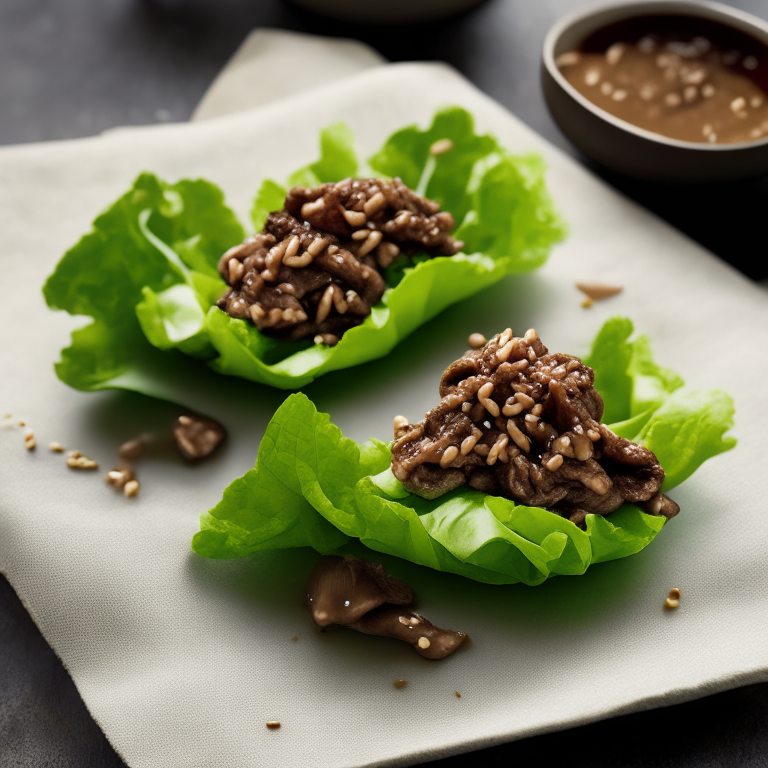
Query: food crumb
(477, 340)
(458, 695)
(328, 339)
(673, 599)
(55, 447)
(295, 638)
(118, 478)
(76, 460)
(598, 291)
(587, 303)
(197, 437)
(131, 488)
(22, 423)
(273, 725)
(29, 440)
(400, 683)
(135, 447)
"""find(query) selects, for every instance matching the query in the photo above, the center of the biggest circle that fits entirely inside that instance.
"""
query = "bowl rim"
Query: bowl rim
(703, 9)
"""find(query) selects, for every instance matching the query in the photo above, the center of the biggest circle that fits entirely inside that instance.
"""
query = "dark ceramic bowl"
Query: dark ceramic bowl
(624, 147)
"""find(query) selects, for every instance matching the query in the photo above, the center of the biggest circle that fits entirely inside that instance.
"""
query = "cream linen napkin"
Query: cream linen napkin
(181, 660)
(272, 64)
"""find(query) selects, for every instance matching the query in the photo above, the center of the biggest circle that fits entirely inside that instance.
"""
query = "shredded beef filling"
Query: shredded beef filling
(315, 269)
(519, 422)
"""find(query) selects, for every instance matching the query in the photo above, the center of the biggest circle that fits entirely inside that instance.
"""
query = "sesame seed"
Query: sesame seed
(554, 463)
(496, 449)
(441, 146)
(673, 100)
(292, 248)
(614, 53)
(477, 340)
(295, 638)
(512, 407)
(424, 643)
(313, 207)
(485, 391)
(522, 442)
(739, 104)
(646, 44)
(355, 218)
(457, 694)
(503, 354)
(373, 239)
(750, 62)
(375, 204)
(273, 725)
(400, 422)
(592, 77)
(525, 400)
(569, 59)
(316, 246)
(450, 453)
(131, 488)
(235, 270)
(400, 683)
(708, 90)
(56, 447)
(606, 88)
(619, 95)
(673, 599)
(81, 462)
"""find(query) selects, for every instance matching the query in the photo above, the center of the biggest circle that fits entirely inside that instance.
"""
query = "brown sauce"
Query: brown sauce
(681, 77)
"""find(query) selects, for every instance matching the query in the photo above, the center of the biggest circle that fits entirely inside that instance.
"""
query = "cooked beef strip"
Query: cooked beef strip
(314, 270)
(519, 422)
(361, 595)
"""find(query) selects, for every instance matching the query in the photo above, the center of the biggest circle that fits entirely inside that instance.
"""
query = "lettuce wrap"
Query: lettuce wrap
(312, 486)
(147, 273)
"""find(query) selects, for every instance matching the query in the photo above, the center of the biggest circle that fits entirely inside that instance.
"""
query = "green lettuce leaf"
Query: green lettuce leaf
(312, 486)
(147, 273)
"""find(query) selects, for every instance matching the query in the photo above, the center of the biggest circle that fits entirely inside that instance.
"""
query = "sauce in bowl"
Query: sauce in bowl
(685, 78)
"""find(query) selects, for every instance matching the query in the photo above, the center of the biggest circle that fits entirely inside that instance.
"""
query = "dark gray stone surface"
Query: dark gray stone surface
(77, 67)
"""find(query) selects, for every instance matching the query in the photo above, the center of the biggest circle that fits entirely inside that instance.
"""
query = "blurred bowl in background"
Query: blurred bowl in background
(387, 11)
(624, 147)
